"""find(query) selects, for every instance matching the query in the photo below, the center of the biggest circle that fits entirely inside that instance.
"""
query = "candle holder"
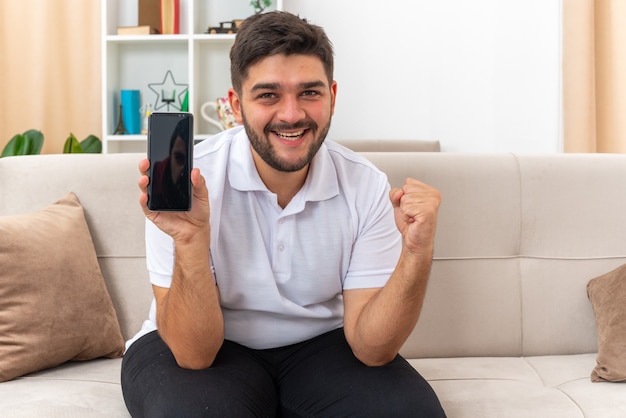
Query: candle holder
(166, 92)
(168, 97)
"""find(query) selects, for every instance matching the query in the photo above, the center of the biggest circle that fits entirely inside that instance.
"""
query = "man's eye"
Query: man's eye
(310, 93)
(267, 96)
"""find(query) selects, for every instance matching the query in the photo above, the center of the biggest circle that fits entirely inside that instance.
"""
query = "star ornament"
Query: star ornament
(167, 92)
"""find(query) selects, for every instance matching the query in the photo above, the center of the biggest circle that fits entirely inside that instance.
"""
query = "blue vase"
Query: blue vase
(131, 111)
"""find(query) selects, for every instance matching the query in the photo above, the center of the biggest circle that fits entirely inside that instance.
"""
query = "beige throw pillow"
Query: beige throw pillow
(607, 294)
(54, 305)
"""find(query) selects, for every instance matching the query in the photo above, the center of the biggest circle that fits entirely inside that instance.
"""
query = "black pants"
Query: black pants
(316, 378)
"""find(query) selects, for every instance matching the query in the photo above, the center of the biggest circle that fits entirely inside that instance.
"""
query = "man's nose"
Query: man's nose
(290, 110)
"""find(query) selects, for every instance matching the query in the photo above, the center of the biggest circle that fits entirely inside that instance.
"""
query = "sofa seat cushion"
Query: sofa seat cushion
(89, 389)
(538, 387)
(542, 386)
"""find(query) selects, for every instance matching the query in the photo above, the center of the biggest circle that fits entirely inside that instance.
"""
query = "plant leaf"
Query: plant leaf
(13, 146)
(91, 144)
(35, 140)
(72, 146)
(28, 143)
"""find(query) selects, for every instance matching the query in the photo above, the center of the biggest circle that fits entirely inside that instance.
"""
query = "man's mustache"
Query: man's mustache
(303, 124)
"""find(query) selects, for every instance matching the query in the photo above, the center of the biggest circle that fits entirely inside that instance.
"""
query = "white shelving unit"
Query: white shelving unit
(199, 60)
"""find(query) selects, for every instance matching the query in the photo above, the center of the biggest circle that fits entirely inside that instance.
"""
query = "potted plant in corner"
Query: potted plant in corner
(260, 5)
(27, 143)
(91, 144)
(31, 142)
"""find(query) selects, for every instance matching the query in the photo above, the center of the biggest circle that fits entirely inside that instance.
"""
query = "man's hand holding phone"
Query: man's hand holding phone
(182, 226)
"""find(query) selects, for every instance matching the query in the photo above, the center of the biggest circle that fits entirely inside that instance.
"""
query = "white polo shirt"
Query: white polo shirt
(281, 272)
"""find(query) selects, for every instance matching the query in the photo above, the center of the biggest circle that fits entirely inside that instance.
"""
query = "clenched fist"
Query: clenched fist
(415, 210)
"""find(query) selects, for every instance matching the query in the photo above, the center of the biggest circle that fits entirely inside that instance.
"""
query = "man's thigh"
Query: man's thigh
(237, 385)
(322, 378)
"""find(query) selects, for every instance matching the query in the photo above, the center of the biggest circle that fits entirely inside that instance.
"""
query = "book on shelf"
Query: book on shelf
(137, 30)
(149, 13)
(170, 11)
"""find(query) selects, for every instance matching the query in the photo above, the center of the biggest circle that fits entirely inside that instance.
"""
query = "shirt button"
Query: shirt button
(281, 248)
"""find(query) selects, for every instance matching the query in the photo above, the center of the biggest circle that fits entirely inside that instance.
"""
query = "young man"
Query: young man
(287, 289)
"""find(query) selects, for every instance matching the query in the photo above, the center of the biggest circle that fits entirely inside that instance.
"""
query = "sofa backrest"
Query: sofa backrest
(390, 145)
(106, 186)
(517, 241)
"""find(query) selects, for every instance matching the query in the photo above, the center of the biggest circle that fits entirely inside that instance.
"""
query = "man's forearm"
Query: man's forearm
(389, 317)
(189, 316)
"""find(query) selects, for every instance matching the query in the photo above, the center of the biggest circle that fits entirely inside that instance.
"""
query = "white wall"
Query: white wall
(479, 76)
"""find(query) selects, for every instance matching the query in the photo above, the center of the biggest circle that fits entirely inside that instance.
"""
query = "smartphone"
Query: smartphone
(170, 151)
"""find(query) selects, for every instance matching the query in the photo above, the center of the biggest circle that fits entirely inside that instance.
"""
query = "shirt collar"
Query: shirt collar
(242, 172)
(321, 182)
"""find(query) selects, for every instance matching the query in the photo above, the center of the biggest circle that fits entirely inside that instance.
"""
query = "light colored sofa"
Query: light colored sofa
(507, 329)
(391, 145)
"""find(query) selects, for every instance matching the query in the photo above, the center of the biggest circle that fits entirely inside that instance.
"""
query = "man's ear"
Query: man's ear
(235, 104)
(333, 91)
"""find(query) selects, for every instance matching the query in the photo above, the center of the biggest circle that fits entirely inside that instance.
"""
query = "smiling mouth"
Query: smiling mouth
(291, 136)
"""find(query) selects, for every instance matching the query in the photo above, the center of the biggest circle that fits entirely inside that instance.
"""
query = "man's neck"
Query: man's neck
(284, 184)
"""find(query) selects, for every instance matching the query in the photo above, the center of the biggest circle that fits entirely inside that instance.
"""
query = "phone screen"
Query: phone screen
(170, 149)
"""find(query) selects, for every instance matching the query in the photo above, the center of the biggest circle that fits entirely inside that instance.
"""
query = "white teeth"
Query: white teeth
(290, 135)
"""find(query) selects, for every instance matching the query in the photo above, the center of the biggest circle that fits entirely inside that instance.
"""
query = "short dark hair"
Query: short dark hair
(266, 34)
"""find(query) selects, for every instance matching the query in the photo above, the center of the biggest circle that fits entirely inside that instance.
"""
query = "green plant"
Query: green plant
(260, 5)
(31, 141)
(28, 143)
(91, 144)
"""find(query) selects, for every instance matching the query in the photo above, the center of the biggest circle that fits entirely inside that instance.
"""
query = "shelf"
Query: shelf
(146, 38)
(202, 37)
(197, 59)
(213, 37)
(128, 138)
(137, 143)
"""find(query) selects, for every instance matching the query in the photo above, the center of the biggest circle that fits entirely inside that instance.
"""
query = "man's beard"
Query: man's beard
(266, 151)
